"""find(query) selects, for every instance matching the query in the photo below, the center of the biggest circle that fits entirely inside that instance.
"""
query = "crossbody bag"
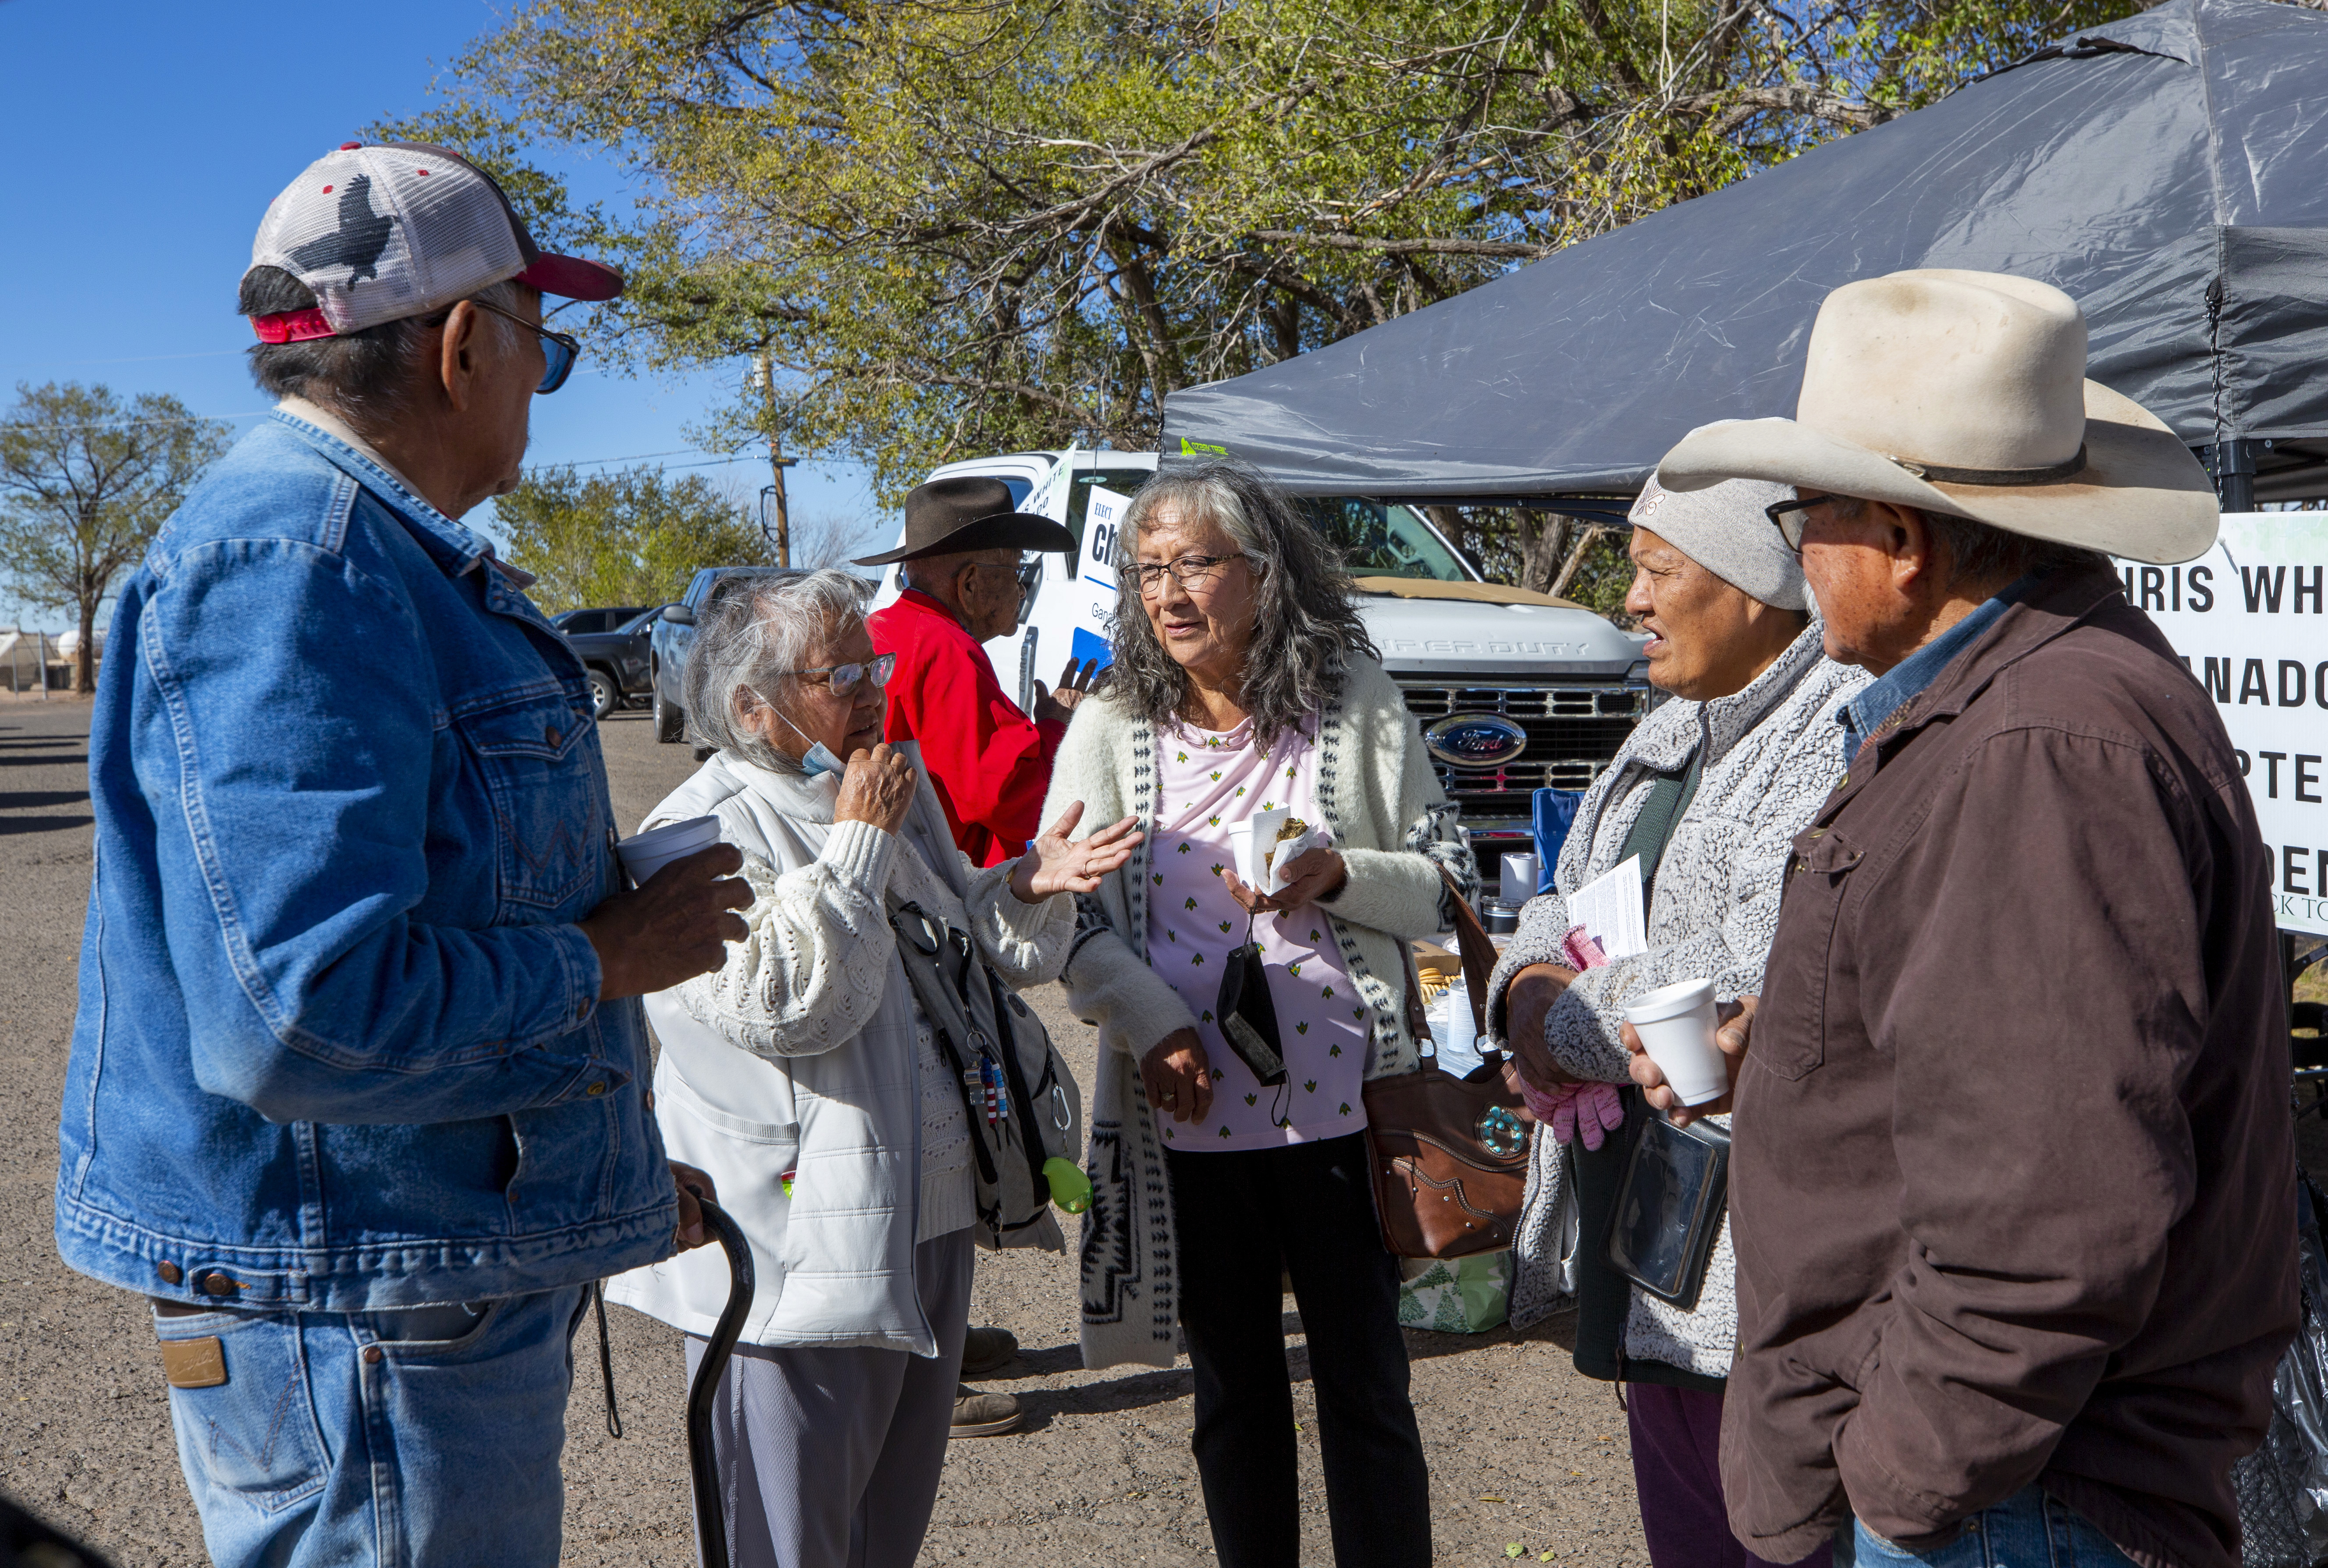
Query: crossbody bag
(1449, 1154)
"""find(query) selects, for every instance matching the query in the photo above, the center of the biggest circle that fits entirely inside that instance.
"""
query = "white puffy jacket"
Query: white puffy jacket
(798, 1057)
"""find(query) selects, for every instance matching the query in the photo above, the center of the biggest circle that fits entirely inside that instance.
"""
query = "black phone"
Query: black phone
(1669, 1210)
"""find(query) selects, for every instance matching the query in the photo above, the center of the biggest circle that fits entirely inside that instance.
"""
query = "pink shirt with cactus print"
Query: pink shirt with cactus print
(1207, 782)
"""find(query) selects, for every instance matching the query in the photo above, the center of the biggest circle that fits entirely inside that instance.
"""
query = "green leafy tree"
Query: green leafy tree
(962, 226)
(86, 478)
(631, 537)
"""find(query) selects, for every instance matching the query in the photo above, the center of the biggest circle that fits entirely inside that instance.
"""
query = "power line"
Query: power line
(262, 413)
(640, 458)
(117, 424)
(142, 359)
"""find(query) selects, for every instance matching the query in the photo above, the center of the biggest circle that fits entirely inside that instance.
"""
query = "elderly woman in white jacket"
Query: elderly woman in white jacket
(1709, 793)
(804, 1079)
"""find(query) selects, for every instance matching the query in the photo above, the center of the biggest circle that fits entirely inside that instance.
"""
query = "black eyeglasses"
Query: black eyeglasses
(1791, 530)
(841, 680)
(558, 352)
(1189, 570)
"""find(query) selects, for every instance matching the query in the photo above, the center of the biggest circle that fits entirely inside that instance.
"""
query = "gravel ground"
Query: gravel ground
(1522, 1450)
(1525, 1454)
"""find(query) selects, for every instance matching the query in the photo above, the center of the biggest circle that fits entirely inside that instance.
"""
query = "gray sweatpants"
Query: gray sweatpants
(830, 1459)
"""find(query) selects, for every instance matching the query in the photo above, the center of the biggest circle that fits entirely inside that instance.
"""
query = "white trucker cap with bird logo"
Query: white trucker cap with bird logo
(393, 230)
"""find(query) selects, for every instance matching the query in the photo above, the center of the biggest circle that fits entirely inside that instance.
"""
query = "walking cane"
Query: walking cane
(710, 1515)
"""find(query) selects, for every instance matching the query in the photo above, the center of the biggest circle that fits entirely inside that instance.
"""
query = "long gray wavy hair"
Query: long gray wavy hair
(1306, 625)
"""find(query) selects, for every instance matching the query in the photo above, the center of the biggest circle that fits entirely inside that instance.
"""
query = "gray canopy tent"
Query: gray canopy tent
(2166, 171)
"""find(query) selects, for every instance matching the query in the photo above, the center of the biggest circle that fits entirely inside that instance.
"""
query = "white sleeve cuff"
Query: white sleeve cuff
(859, 854)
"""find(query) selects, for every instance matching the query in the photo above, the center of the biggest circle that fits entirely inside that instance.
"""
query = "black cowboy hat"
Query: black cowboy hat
(954, 516)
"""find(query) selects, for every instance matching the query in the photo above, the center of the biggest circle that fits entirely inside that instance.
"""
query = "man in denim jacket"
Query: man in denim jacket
(356, 1088)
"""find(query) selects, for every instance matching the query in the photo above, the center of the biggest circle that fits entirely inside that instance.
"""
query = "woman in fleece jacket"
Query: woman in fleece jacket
(1244, 684)
(1709, 792)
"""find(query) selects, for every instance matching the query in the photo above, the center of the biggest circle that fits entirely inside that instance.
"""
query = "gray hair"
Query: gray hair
(364, 376)
(751, 631)
(1306, 625)
(1980, 552)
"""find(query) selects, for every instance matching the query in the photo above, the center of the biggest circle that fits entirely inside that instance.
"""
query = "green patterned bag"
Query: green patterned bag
(1466, 1295)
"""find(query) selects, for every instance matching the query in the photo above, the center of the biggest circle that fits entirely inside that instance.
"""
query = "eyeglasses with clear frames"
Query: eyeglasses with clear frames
(1191, 571)
(843, 679)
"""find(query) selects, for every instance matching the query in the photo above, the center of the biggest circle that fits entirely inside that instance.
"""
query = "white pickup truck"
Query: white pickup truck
(1515, 691)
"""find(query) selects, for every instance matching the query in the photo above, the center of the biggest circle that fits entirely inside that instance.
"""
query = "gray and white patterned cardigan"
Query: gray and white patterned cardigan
(1772, 752)
(1395, 831)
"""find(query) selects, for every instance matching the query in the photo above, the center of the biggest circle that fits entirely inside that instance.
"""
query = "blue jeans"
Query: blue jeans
(2029, 1529)
(380, 1440)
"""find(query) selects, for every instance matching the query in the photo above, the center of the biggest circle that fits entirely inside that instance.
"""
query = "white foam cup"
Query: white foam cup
(1241, 852)
(645, 854)
(1676, 1023)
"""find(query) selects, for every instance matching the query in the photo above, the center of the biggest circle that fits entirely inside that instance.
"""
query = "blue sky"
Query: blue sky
(150, 137)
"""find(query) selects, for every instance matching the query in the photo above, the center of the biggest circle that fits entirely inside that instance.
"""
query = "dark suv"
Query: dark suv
(673, 633)
(598, 618)
(615, 658)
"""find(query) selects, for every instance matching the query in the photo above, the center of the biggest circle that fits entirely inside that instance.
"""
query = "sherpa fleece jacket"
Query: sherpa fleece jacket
(1772, 754)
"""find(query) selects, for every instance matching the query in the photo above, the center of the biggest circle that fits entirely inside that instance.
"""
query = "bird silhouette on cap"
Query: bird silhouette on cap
(359, 241)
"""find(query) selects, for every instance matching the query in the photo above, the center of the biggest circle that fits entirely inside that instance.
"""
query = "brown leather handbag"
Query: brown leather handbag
(1450, 1154)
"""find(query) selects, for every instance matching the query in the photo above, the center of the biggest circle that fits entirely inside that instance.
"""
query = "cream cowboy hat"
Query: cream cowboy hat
(1965, 393)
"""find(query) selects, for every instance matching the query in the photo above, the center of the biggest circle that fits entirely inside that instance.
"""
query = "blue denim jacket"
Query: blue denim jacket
(339, 1045)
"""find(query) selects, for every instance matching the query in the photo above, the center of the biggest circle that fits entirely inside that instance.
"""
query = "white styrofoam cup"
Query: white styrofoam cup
(1241, 853)
(645, 854)
(1676, 1023)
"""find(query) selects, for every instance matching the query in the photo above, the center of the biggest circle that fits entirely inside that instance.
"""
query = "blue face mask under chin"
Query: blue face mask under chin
(820, 758)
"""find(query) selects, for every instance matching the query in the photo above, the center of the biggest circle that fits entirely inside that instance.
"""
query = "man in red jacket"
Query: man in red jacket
(990, 762)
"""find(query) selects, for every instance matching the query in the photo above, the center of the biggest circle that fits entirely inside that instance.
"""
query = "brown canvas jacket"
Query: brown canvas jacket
(2012, 1185)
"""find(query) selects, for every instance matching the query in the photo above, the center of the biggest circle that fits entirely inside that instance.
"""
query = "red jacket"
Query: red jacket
(990, 762)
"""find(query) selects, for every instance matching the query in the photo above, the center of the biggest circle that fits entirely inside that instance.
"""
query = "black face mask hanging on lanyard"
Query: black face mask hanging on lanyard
(1248, 1018)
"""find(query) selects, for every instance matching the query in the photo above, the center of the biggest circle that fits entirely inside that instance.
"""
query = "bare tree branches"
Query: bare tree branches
(85, 481)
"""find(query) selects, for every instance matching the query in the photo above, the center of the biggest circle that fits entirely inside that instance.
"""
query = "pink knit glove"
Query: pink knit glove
(1589, 1111)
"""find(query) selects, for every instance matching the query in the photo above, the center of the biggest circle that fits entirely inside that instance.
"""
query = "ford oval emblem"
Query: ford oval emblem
(1476, 741)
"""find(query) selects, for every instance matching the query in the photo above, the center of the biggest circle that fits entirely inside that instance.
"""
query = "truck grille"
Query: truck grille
(1572, 732)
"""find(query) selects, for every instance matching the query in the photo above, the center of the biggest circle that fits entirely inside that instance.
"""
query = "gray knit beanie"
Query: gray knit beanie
(1723, 529)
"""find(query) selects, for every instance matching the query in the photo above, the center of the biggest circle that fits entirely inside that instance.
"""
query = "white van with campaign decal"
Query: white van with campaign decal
(1515, 690)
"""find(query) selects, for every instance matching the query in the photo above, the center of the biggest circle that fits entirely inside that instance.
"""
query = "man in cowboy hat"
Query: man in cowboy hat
(990, 762)
(2011, 1190)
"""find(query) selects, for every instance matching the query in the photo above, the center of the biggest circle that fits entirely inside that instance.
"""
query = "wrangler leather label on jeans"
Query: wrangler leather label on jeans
(193, 1362)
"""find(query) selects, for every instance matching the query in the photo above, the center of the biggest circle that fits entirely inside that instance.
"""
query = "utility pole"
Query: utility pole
(775, 507)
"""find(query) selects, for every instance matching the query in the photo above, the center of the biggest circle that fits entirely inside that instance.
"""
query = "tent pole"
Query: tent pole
(2233, 464)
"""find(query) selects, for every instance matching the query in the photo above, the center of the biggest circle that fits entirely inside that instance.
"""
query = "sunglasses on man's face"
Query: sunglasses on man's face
(558, 352)
(1790, 516)
(843, 679)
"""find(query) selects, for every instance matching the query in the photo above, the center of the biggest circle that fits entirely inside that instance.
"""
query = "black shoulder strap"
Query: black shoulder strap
(1653, 829)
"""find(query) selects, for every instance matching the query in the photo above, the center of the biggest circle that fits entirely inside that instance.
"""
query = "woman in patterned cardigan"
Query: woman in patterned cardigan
(1244, 684)
(1709, 793)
